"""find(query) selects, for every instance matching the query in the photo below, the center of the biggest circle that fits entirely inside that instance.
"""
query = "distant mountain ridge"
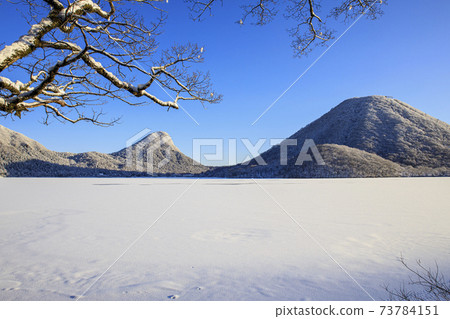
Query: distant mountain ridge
(21, 156)
(373, 136)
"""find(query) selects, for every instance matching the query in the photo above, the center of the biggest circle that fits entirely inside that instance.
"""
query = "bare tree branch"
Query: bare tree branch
(425, 284)
(309, 26)
(85, 51)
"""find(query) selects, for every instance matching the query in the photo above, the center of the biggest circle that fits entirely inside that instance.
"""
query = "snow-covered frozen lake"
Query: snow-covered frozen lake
(212, 239)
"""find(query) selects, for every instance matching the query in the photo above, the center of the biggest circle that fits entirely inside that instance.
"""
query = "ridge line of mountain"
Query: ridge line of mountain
(373, 136)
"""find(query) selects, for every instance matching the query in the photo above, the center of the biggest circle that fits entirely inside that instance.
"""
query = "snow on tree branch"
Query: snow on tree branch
(84, 52)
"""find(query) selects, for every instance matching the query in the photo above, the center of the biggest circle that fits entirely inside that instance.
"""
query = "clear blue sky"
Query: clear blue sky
(404, 54)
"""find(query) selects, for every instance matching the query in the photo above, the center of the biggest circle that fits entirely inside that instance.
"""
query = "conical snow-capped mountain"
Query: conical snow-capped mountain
(361, 137)
(158, 150)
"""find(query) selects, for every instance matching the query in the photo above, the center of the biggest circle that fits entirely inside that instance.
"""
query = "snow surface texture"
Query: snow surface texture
(217, 239)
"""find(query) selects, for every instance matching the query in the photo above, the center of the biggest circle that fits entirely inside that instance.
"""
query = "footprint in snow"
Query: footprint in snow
(9, 285)
(173, 297)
